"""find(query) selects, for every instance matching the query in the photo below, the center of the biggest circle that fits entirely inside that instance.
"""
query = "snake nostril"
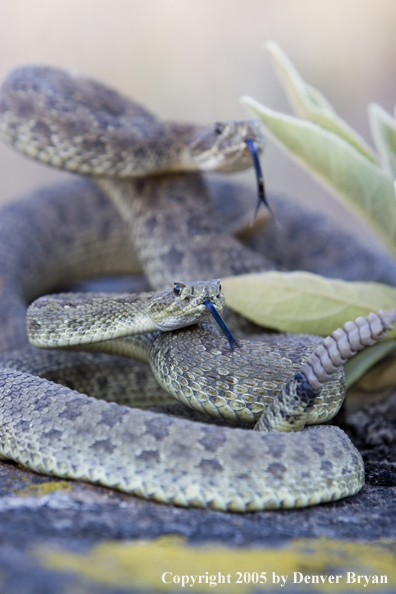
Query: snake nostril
(187, 299)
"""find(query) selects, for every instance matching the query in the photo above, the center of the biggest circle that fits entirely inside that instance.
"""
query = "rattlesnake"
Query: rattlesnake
(87, 128)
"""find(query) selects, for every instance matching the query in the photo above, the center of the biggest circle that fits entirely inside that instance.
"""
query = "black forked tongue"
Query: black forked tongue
(221, 323)
(262, 199)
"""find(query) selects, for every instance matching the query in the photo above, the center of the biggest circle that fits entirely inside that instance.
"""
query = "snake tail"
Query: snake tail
(344, 344)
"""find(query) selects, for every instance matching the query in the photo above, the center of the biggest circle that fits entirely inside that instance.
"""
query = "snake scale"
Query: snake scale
(151, 171)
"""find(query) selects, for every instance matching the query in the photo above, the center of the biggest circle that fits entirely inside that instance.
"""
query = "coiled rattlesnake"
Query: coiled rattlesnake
(70, 122)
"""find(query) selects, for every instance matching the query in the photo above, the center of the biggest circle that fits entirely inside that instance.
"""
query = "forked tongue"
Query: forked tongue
(221, 323)
(262, 199)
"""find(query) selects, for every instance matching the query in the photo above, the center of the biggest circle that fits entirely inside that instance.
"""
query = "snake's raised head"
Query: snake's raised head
(222, 147)
(185, 304)
(231, 146)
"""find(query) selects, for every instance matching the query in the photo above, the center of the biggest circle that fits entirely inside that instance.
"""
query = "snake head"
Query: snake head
(222, 146)
(184, 305)
(231, 147)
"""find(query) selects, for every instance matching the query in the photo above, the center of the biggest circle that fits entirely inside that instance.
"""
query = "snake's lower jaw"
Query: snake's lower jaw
(238, 162)
(199, 315)
(210, 163)
(238, 159)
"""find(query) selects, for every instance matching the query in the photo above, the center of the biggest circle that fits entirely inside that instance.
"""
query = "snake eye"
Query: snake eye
(178, 288)
(219, 127)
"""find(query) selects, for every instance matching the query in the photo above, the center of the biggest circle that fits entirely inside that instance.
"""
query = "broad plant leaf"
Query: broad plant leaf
(310, 104)
(339, 166)
(356, 367)
(304, 302)
(382, 376)
(383, 129)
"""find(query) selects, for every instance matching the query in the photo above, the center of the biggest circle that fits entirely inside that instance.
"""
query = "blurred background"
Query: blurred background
(191, 61)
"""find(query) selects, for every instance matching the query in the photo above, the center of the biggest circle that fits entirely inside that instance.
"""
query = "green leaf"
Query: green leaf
(339, 166)
(304, 302)
(356, 367)
(310, 104)
(383, 129)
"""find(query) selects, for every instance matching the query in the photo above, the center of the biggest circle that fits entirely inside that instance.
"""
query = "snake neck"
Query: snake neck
(176, 230)
(163, 149)
(177, 153)
(134, 347)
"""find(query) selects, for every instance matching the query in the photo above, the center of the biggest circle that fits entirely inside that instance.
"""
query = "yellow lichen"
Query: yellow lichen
(144, 563)
(40, 489)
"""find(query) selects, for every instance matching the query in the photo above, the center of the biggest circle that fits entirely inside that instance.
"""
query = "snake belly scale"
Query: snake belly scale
(68, 121)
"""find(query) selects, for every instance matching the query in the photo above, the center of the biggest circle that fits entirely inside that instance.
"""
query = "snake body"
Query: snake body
(70, 122)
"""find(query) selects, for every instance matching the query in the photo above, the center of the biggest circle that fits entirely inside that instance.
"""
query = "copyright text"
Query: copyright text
(264, 577)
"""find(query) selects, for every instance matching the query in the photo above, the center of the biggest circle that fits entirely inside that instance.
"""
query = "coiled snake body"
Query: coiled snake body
(71, 122)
